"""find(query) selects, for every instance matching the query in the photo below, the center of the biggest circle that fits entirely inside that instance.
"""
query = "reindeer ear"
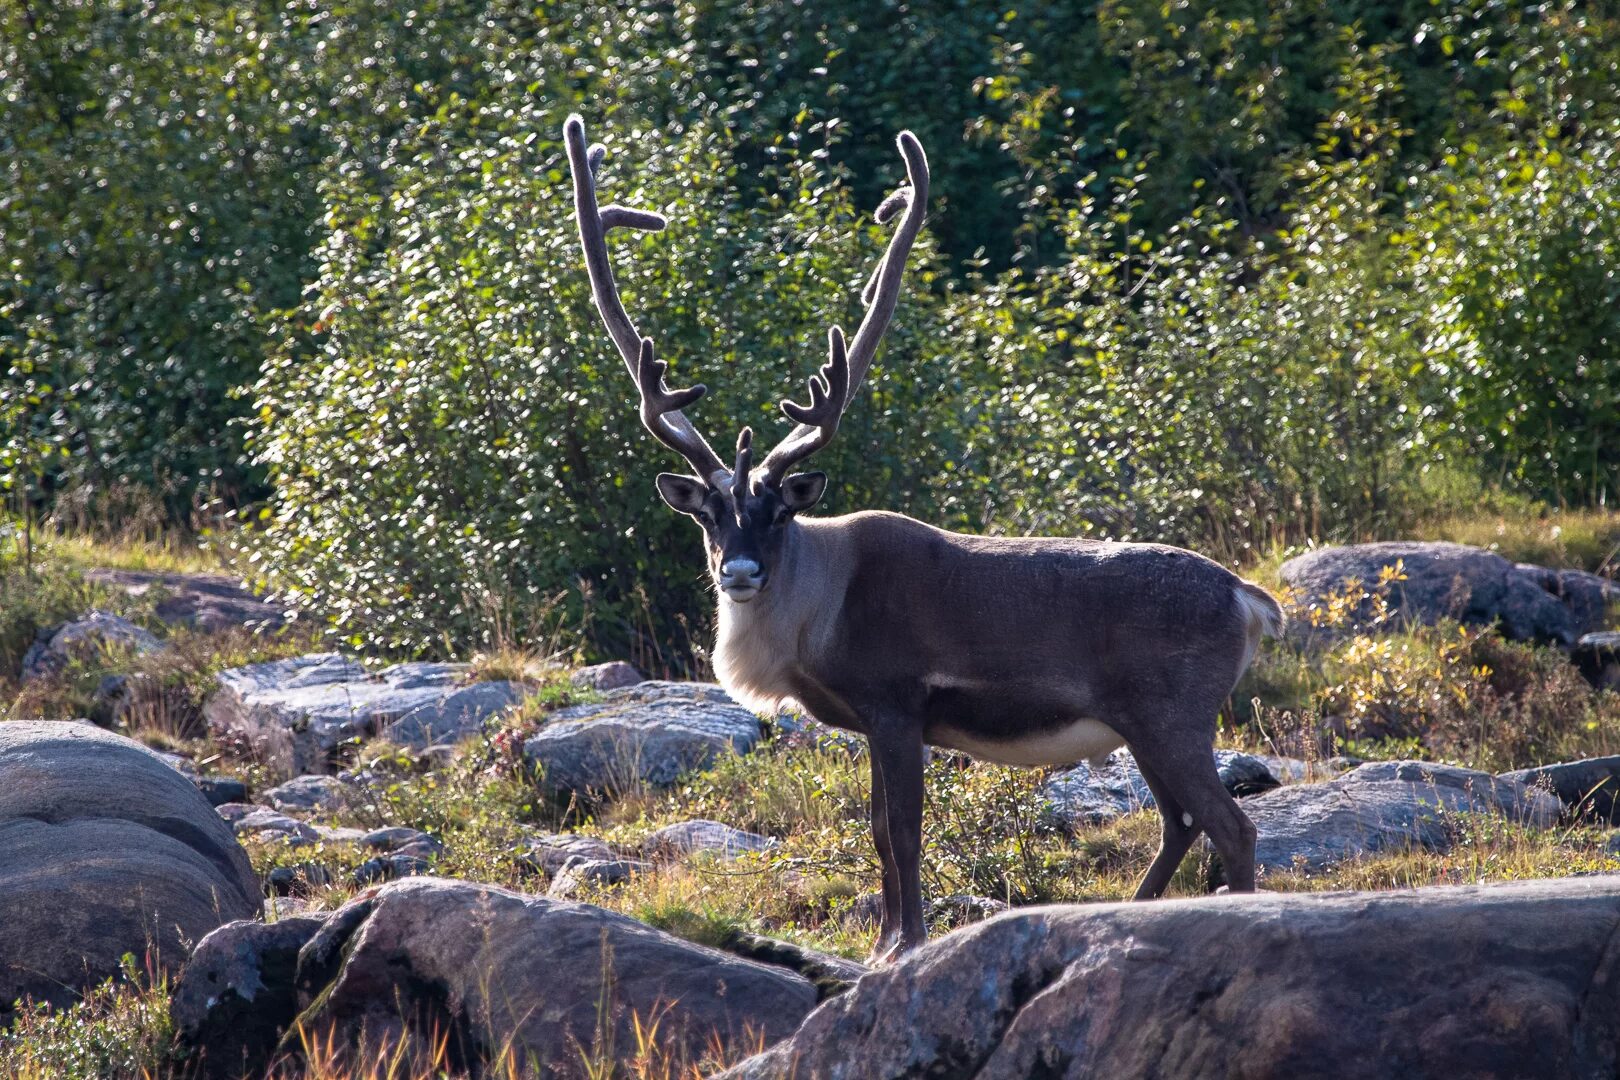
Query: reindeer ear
(684, 493)
(801, 491)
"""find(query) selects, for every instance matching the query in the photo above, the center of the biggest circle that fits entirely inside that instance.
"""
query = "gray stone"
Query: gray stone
(1587, 596)
(1587, 789)
(398, 837)
(263, 823)
(548, 853)
(651, 735)
(104, 850)
(428, 958)
(236, 996)
(613, 675)
(579, 876)
(296, 714)
(1518, 980)
(93, 637)
(1382, 806)
(962, 908)
(1443, 580)
(209, 602)
(389, 867)
(700, 835)
(455, 717)
(1598, 657)
(306, 794)
(221, 790)
(1084, 795)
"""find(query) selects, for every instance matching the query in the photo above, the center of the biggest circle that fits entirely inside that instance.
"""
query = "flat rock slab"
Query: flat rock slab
(208, 602)
(295, 714)
(105, 849)
(1587, 789)
(650, 734)
(1445, 580)
(1519, 980)
(1092, 795)
(91, 637)
(488, 968)
(1598, 657)
(1383, 806)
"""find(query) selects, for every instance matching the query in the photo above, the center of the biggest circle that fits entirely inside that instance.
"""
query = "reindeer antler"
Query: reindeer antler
(660, 406)
(841, 376)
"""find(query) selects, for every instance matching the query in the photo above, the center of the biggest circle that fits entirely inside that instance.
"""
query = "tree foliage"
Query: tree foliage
(1224, 272)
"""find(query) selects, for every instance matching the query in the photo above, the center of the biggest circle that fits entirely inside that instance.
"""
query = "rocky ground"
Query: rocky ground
(286, 857)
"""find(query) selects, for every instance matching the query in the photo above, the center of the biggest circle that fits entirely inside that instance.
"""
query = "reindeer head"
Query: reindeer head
(746, 511)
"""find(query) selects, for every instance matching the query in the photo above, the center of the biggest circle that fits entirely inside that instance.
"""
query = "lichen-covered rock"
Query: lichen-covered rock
(613, 675)
(1087, 795)
(295, 714)
(701, 835)
(548, 853)
(579, 876)
(650, 734)
(209, 602)
(236, 996)
(1383, 806)
(485, 969)
(1598, 657)
(307, 794)
(1445, 580)
(93, 636)
(1513, 980)
(104, 850)
(1589, 790)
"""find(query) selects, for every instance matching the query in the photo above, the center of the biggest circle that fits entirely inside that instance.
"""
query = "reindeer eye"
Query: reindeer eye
(782, 513)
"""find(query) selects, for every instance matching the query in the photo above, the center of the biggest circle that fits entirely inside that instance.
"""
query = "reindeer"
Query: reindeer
(1026, 651)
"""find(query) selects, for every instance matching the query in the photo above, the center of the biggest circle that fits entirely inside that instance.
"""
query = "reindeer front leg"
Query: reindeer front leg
(889, 924)
(897, 786)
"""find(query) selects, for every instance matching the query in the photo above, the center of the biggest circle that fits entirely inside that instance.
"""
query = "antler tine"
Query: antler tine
(881, 295)
(660, 406)
(743, 471)
(818, 421)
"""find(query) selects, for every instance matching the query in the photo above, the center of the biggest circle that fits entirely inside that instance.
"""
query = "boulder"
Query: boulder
(295, 714)
(1587, 596)
(308, 794)
(650, 734)
(398, 838)
(220, 790)
(95, 636)
(548, 853)
(487, 969)
(236, 996)
(1598, 657)
(1444, 580)
(1382, 806)
(580, 876)
(613, 675)
(263, 823)
(1511, 980)
(104, 850)
(701, 835)
(1587, 789)
(389, 867)
(209, 602)
(1088, 795)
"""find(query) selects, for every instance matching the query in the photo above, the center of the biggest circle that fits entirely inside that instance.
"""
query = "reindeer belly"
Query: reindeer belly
(995, 723)
(1079, 740)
